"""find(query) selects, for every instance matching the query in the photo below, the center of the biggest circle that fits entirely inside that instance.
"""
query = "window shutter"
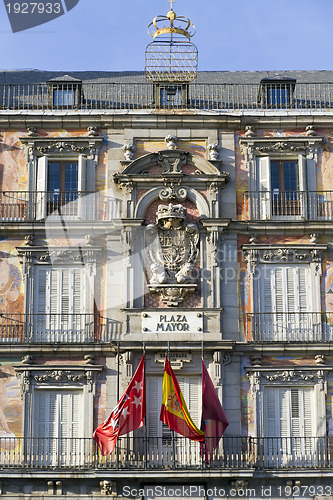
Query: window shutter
(302, 173)
(154, 425)
(270, 413)
(264, 170)
(41, 195)
(82, 186)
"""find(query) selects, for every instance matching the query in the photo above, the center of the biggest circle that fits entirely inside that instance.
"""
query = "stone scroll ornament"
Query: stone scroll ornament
(172, 254)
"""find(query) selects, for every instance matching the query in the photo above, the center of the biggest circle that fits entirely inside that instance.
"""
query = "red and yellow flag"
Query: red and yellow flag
(174, 412)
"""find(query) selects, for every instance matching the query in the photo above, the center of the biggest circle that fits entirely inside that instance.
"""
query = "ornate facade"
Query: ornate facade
(195, 225)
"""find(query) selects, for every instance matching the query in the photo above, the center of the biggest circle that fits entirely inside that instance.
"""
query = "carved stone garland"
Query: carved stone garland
(313, 376)
(172, 254)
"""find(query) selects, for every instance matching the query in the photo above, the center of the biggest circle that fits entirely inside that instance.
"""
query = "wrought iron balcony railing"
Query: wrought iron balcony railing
(159, 453)
(57, 328)
(298, 205)
(135, 96)
(30, 206)
(289, 327)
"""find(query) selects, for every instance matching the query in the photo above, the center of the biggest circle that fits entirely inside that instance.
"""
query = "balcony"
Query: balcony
(289, 327)
(57, 328)
(29, 206)
(144, 454)
(136, 96)
(289, 205)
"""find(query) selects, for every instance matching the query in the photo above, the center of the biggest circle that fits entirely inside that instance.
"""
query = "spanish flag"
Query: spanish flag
(174, 412)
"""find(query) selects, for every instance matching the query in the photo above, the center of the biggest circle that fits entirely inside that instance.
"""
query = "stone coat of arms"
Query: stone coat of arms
(172, 254)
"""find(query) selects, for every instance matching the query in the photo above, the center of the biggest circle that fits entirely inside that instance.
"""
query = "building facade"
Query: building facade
(188, 218)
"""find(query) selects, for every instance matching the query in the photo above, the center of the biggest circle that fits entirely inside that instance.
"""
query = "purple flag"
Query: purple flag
(214, 421)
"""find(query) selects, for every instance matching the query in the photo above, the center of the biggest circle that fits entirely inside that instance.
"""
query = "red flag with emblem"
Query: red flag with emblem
(128, 414)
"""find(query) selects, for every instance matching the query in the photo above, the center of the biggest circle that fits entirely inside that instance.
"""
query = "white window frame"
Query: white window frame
(84, 258)
(314, 378)
(263, 165)
(41, 150)
(259, 257)
(258, 153)
(279, 323)
(53, 321)
(82, 378)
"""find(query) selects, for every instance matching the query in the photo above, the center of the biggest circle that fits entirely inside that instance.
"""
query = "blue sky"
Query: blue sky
(231, 35)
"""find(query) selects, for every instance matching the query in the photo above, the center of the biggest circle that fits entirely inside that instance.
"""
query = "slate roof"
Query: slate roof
(35, 76)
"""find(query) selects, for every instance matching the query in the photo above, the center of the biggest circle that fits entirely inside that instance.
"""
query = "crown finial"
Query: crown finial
(179, 25)
(171, 57)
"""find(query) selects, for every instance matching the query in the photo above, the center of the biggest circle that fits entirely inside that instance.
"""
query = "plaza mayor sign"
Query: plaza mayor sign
(166, 322)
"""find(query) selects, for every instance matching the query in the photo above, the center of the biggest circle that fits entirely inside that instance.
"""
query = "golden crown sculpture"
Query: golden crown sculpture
(179, 25)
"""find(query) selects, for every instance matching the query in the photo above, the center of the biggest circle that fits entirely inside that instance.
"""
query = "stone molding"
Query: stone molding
(251, 147)
(48, 146)
(255, 254)
(58, 375)
(259, 376)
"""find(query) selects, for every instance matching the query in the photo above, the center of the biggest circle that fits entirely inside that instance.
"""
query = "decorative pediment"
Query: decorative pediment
(171, 162)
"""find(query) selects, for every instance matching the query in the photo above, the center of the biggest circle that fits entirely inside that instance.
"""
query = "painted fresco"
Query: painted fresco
(248, 420)
(13, 168)
(11, 407)
(11, 282)
(194, 147)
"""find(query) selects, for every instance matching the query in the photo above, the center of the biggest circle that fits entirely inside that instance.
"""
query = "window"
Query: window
(58, 426)
(286, 301)
(64, 92)
(282, 185)
(282, 177)
(171, 95)
(61, 185)
(58, 421)
(289, 425)
(277, 93)
(62, 305)
(159, 435)
(63, 97)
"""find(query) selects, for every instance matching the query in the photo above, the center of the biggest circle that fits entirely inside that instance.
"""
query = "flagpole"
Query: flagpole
(173, 432)
(144, 383)
(202, 350)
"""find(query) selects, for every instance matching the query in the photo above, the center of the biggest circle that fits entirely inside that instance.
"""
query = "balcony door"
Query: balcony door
(289, 426)
(282, 186)
(58, 427)
(285, 303)
(164, 446)
(61, 184)
(62, 187)
(60, 305)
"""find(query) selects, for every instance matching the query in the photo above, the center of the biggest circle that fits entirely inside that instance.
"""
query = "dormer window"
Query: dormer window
(65, 92)
(276, 93)
(171, 95)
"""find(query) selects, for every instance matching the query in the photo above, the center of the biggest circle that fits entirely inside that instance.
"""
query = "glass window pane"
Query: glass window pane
(290, 175)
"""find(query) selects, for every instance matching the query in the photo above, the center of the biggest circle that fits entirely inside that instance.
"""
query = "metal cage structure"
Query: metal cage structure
(171, 57)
